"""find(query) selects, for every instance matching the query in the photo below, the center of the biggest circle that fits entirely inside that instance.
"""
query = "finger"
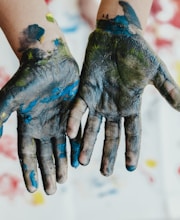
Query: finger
(132, 127)
(75, 116)
(89, 138)
(46, 164)
(60, 156)
(111, 143)
(75, 149)
(167, 86)
(28, 161)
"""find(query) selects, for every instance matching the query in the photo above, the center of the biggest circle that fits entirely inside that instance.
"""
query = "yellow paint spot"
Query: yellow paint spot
(151, 163)
(30, 55)
(38, 198)
(50, 17)
(3, 115)
(177, 68)
(41, 39)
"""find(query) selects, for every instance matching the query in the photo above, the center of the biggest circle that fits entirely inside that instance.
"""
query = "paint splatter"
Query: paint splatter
(147, 174)
(151, 163)
(38, 198)
(62, 150)
(50, 17)
(75, 151)
(10, 186)
(32, 176)
(30, 36)
(8, 147)
(177, 69)
(48, 1)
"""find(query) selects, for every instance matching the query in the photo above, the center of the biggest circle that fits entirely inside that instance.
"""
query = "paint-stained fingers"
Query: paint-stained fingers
(132, 125)
(46, 164)
(28, 161)
(60, 155)
(75, 116)
(75, 149)
(111, 143)
(89, 138)
(166, 85)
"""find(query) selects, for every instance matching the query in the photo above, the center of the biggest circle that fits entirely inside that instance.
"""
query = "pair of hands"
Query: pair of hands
(116, 70)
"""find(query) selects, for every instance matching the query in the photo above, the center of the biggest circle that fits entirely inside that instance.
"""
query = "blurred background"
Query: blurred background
(152, 192)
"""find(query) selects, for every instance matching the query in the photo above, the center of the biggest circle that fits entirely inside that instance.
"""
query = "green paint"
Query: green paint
(50, 17)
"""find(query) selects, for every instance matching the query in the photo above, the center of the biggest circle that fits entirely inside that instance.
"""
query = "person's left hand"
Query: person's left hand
(118, 66)
(41, 92)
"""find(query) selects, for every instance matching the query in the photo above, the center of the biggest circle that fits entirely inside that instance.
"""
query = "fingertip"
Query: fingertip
(106, 170)
(61, 179)
(50, 185)
(75, 164)
(72, 132)
(50, 190)
(131, 167)
(1, 131)
(106, 173)
(31, 189)
(83, 159)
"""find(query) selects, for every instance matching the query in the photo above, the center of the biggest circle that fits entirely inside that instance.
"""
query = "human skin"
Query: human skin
(41, 91)
(118, 65)
(88, 10)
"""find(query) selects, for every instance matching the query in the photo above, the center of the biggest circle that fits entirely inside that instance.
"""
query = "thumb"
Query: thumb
(7, 105)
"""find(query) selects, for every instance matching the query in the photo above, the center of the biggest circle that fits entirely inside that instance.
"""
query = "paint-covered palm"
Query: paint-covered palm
(41, 92)
(118, 65)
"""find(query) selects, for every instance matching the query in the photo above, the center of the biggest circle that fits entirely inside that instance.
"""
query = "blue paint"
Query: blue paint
(1, 131)
(70, 29)
(69, 92)
(34, 32)
(62, 150)
(130, 14)
(57, 42)
(29, 107)
(120, 24)
(33, 180)
(75, 151)
(108, 193)
(130, 168)
(24, 166)
(117, 25)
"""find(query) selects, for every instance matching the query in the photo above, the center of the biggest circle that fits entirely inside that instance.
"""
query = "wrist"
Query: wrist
(110, 9)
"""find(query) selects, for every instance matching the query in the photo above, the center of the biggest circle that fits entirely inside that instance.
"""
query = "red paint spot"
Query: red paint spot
(147, 175)
(178, 170)
(175, 21)
(7, 147)
(156, 7)
(4, 77)
(48, 1)
(10, 186)
(162, 42)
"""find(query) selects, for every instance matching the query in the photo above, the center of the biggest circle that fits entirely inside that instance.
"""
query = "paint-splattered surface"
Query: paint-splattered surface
(150, 193)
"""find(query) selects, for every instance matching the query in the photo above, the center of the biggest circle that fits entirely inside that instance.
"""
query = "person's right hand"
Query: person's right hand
(118, 65)
(41, 92)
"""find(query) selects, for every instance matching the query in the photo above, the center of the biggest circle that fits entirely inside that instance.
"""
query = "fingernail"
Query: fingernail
(130, 168)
